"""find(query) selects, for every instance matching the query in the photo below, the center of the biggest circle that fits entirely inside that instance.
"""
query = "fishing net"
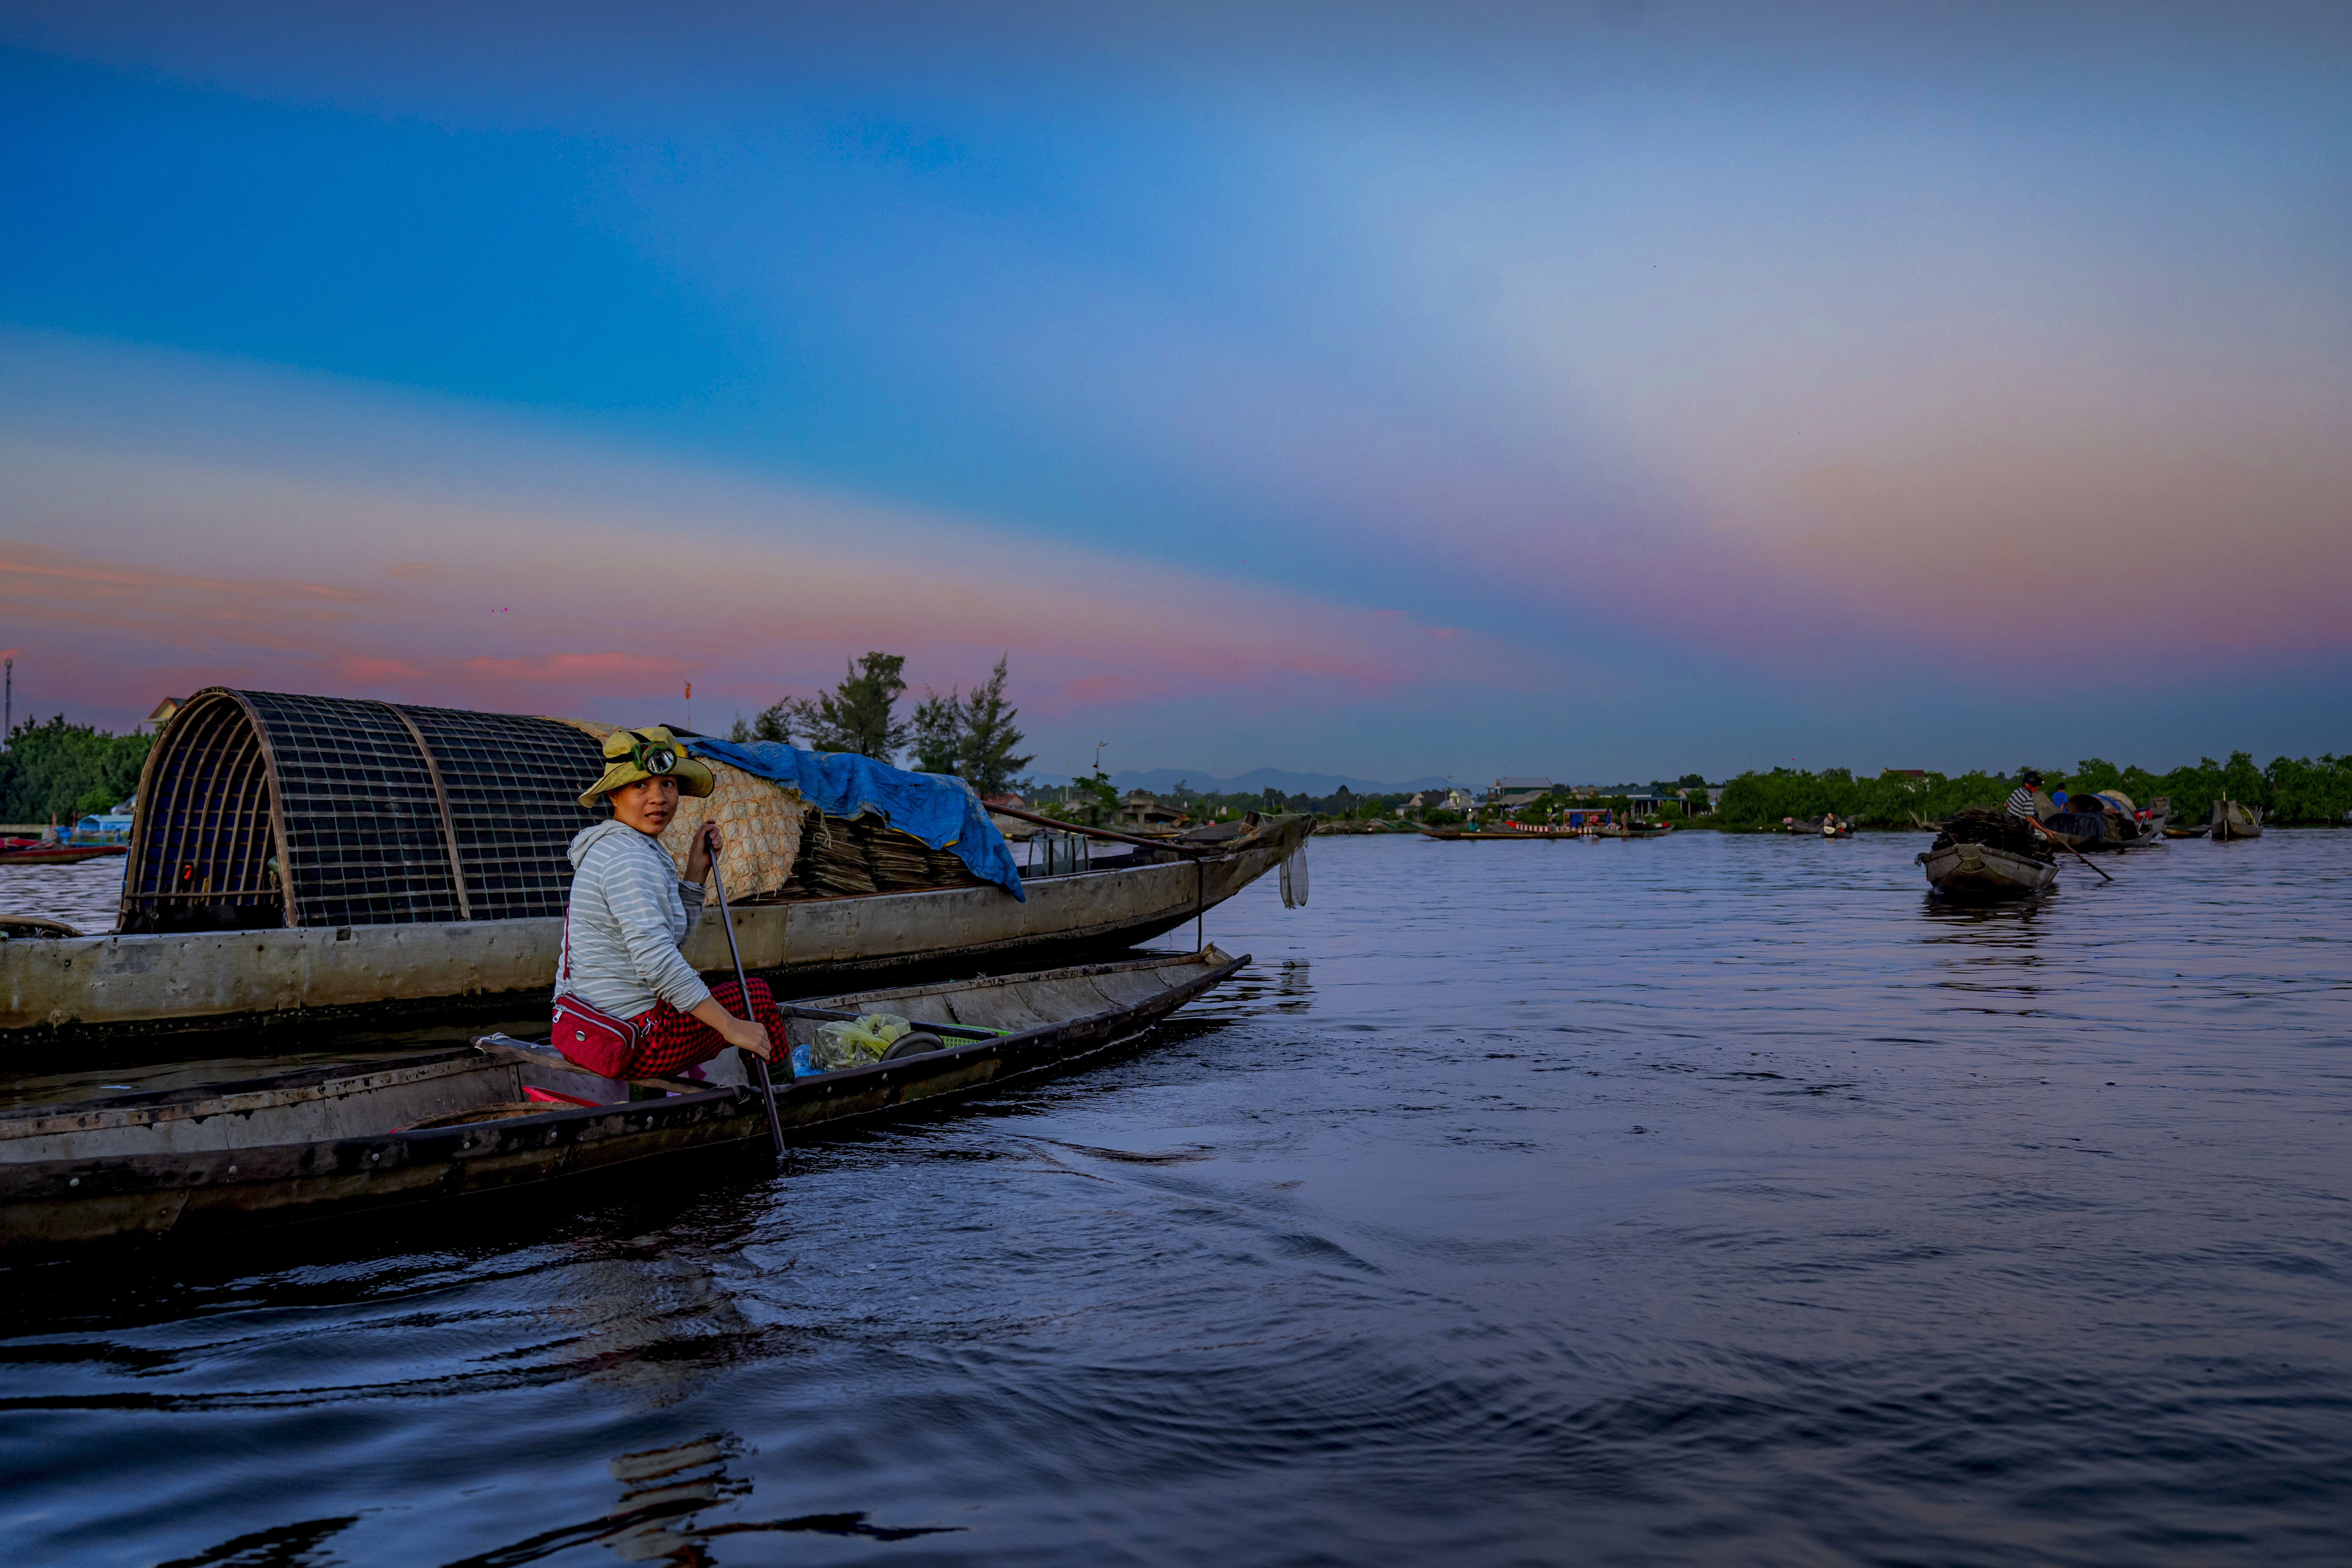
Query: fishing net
(1294, 878)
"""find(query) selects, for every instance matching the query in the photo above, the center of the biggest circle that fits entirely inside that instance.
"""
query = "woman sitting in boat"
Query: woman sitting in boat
(630, 910)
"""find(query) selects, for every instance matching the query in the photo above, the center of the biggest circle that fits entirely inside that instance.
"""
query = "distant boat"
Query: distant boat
(1522, 833)
(2112, 823)
(2234, 820)
(50, 852)
(1986, 855)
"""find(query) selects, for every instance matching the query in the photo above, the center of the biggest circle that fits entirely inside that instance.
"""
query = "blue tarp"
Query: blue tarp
(940, 811)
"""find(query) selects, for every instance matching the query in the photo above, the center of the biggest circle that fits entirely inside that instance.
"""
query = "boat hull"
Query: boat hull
(1981, 871)
(324, 1142)
(53, 993)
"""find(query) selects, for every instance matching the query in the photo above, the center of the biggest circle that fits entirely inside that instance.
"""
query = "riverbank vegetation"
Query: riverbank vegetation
(2291, 791)
(65, 771)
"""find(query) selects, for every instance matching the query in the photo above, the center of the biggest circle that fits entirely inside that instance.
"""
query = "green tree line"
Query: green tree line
(2291, 790)
(66, 772)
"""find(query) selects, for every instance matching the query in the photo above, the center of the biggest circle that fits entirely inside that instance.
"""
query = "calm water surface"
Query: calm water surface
(1707, 1200)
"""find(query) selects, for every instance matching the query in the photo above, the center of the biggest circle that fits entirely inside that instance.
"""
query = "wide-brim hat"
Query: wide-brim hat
(650, 752)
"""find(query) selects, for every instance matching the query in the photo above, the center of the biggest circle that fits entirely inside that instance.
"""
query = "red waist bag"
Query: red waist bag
(589, 1036)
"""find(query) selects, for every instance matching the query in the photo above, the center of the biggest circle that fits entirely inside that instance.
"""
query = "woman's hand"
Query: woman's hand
(745, 1034)
(698, 857)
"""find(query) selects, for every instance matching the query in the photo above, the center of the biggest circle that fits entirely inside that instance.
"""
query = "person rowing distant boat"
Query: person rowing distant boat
(627, 1004)
(2022, 800)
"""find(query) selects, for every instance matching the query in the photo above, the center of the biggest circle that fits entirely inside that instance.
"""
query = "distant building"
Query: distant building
(1138, 808)
(163, 711)
(1526, 784)
(1903, 773)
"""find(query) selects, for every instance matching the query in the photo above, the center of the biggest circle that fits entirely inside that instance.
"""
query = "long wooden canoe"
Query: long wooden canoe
(53, 993)
(53, 852)
(334, 1141)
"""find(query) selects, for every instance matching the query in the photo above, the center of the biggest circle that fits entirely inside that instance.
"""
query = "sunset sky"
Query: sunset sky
(1600, 390)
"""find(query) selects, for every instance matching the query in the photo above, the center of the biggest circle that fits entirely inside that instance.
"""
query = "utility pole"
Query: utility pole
(8, 708)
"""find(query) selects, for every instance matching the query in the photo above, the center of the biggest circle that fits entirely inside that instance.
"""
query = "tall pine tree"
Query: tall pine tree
(860, 714)
(939, 732)
(989, 736)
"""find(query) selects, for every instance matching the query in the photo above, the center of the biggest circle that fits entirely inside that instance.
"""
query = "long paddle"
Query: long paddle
(743, 993)
(1105, 833)
(2070, 850)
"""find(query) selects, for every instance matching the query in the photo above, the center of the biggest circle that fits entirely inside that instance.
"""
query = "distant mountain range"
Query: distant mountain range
(1162, 781)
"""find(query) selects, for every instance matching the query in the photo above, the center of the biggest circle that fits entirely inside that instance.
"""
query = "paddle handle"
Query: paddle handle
(743, 990)
(1056, 822)
(2070, 850)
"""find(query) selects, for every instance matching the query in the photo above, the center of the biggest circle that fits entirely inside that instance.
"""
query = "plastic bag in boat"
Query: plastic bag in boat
(852, 1043)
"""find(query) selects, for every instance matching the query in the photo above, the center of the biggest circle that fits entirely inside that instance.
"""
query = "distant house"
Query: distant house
(994, 801)
(162, 714)
(1903, 773)
(1525, 785)
(1139, 808)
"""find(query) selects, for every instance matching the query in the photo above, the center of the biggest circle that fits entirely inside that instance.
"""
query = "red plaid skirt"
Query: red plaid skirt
(673, 1040)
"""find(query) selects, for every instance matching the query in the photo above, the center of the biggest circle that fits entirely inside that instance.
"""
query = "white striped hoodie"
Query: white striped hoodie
(629, 911)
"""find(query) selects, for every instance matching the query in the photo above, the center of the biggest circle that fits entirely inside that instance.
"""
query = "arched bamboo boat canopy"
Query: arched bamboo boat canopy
(259, 809)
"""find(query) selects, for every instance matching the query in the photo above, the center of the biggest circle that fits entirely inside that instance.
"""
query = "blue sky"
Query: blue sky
(1595, 390)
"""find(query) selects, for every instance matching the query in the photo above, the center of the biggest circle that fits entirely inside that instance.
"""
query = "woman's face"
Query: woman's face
(646, 805)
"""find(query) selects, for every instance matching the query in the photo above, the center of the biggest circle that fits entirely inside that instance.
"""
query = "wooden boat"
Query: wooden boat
(1634, 830)
(335, 1141)
(1984, 870)
(1986, 854)
(33, 926)
(2199, 831)
(53, 852)
(54, 993)
(2120, 826)
(2234, 820)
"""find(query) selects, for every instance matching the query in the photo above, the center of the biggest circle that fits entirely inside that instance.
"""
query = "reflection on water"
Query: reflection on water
(84, 895)
(1691, 1200)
